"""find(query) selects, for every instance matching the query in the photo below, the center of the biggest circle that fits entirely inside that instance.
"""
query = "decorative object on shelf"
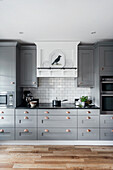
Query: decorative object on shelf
(83, 100)
(57, 58)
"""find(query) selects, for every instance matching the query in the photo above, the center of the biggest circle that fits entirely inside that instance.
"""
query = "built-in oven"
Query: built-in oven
(7, 99)
(106, 94)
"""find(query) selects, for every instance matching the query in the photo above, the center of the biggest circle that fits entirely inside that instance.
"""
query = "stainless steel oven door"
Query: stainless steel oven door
(107, 87)
(107, 103)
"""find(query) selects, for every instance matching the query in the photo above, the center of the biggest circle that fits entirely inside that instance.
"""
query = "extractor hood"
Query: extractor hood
(57, 59)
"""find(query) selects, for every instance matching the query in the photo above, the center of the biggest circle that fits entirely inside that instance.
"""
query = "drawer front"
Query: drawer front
(6, 112)
(88, 112)
(106, 121)
(27, 112)
(57, 121)
(57, 134)
(26, 121)
(7, 134)
(57, 112)
(88, 134)
(6, 121)
(26, 133)
(106, 134)
(88, 121)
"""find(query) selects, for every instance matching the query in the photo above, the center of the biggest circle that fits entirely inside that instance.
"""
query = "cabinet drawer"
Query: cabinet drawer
(106, 121)
(106, 134)
(7, 134)
(6, 112)
(6, 121)
(57, 112)
(88, 134)
(26, 133)
(27, 112)
(57, 133)
(85, 112)
(57, 121)
(26, 121)
(88, 121)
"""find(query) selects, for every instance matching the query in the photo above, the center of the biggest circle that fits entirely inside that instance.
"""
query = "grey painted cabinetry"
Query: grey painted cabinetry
(88, 124)
(26, 124)
(106, 60)
(7, 66)
(85, 66)
(6, 124)
(58, 124)
(28, 66)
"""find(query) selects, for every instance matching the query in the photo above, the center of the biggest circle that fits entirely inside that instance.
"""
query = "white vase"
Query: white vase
(83, 104)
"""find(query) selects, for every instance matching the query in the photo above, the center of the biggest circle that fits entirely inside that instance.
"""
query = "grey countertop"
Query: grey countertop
(63, 106)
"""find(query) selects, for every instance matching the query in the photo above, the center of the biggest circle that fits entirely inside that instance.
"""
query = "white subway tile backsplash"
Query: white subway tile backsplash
(62, 88)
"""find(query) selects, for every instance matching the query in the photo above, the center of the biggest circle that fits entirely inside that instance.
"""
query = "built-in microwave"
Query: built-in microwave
(7, 99)
(107, 84)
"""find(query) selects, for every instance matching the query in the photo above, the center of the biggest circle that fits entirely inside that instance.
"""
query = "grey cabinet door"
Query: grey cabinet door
(6, 133)
(26, 121)
(106, 134)
(106, 60)
(26, 133)
(7, 67)
(6, 121)
(28, 68)
(26, 112)
(88, 121)
(85, 68)
(88, 134)
(57, 133)
(106, 121)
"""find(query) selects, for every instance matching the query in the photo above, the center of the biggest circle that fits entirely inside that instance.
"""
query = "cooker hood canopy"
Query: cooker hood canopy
(57, 59)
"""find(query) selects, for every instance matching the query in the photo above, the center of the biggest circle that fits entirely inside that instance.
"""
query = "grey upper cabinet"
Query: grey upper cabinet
(106, 60)
(28, 66)
(7, 65)
(85, 67)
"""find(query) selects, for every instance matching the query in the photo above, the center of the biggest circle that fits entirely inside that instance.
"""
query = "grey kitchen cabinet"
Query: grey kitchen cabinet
(106, 134)
(106, 60)
(8, 65)
(26, 121)
(85, 66)
(26, 133)
(57, 133)
(106, 121)
(88, 133)
(88, 112)
(7, 134)
(88, 121)
(28, 66)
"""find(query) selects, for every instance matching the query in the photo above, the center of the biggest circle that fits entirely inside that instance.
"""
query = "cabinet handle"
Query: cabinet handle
(26, 130)
(67, 112)
(1, 117)
(67, 117)
(46, 112)
(1, 130)
(102, 68)
(88, 130)
(80, 83)
(46, 130)
(26, 112)
(88, 112)
(1, 112)
(88, 117)
(46, 117)
(68, 130)
(12, 82)
(111, 117)
(26, 117)
(112, 130)
(34, 82)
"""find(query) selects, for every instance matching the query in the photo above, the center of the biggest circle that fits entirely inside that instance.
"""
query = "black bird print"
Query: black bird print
(57, 60)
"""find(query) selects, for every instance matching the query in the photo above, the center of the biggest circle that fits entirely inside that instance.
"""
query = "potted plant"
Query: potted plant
(83, 100)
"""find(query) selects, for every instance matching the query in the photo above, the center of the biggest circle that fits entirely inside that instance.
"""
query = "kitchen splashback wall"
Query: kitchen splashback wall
(62, 88)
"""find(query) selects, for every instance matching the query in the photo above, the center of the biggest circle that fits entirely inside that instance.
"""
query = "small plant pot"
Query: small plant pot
(83, 104)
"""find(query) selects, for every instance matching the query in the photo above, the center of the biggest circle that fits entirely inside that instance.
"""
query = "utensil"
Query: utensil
(58, 102)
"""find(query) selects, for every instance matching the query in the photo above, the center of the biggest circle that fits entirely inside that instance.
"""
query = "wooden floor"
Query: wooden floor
(56, 157)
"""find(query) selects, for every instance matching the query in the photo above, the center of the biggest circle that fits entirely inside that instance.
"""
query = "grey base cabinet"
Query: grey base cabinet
(26, 133)
(88, 133)
(6, 133)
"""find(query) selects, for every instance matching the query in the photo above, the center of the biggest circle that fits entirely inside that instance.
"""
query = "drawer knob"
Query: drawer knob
(112, 130)
(46, 117)
(46, 130)
(88, 130)
(34, 82)
(26, 112)
(46, 112)
(111, 117)
(88, 112)
(1, 117)
(68, 130)
(26, 117)
(26, 130)
(1, 130)
(67, 117)
(12, 82)
(67, 112)
(1, 112)
(88, 117)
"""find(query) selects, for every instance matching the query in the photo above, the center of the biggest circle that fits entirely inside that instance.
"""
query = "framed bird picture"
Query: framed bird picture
(57, 58)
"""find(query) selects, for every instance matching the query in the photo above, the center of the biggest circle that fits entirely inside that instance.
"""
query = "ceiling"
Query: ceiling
(61, 20)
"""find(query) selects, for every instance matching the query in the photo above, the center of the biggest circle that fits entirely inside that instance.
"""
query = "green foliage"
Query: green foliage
(84, 98)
